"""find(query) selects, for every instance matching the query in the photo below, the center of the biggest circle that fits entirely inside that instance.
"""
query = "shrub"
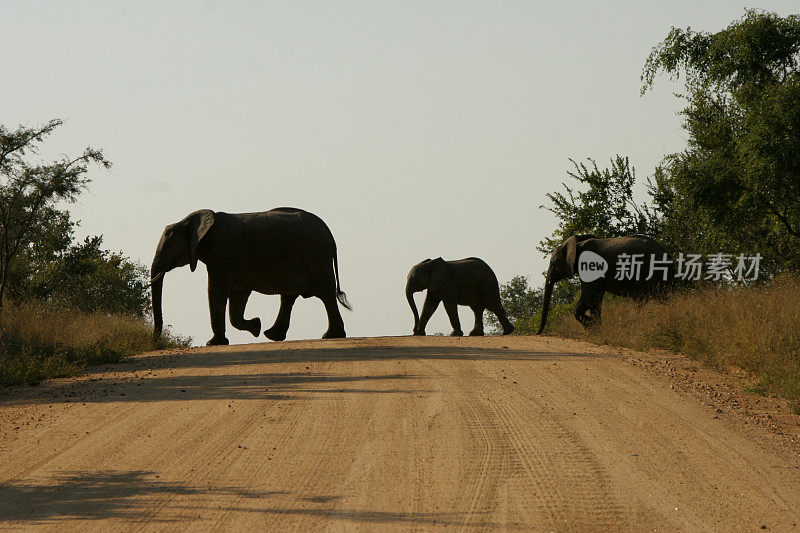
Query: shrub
(39, 341)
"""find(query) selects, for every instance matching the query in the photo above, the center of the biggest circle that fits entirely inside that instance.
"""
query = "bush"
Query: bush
(83, 276)
(39, 341)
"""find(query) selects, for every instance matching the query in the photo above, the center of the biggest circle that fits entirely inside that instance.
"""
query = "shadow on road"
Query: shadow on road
(98, 495)
(275, 353)
(237, 373)
(135, 497)
(242, 386)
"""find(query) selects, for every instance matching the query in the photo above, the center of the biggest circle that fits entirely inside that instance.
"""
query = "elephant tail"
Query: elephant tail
(340, 295)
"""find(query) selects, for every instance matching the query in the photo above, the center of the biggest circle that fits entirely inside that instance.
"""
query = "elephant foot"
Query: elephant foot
(476, 333)
(275, 334)
(589, 321)
(419, 332)
(508, 330)
(457, 333)
(217, 341)
(334, 334)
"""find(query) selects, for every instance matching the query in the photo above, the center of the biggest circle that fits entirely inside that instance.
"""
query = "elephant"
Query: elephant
(284, 251)
(564, 264)
(469, 282)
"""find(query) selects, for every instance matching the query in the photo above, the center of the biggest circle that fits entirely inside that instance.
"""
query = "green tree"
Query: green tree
(737, 184)
(606, 207)
(30, 189)
(46, 243)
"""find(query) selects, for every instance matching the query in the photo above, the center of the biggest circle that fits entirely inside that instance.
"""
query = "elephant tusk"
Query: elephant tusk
(156, 278)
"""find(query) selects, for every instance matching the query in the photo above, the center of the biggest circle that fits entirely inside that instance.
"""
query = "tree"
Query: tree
(29, 190)
(80, 275)
(47, 241)
(606, 208)
(738, 182)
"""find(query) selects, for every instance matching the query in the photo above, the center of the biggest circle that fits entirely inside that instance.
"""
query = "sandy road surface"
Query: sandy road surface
(401, 433)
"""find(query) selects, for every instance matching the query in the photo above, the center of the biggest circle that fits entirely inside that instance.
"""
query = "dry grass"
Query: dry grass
(38, 341)
(754, 328)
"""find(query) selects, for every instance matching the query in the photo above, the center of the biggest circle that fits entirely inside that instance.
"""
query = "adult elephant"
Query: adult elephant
(615, 251)
(467, 282)
(284, 251)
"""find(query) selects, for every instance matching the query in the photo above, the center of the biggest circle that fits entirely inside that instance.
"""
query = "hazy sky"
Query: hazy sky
(414, 129)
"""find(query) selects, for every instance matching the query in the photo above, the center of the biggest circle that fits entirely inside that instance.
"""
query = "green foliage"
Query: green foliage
(29, 190)
(755, 51)
(606, 208)
(89, 278)
(47, 241)
(523, 304)
(736, 185)
(38, 259)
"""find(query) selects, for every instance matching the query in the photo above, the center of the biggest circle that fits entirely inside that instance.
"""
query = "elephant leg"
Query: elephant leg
(596, 308)
(500, 313)
(477, 330)
(217, 301)
(335, 322)
(430, 305)
(452, 313)
(580, 313)
(590, 301)
(236, 304)
(278, 330)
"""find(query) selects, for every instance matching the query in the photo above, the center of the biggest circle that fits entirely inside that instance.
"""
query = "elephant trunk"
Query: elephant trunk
(410, 298)
(156, 285)
(548, 291)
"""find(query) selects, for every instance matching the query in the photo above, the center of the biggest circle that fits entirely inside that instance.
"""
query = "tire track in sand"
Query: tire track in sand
(550, 475)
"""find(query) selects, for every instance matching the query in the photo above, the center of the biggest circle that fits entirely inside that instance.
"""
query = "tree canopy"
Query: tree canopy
(737, 183)
(38, 259)
(606, 208)
(735, 188)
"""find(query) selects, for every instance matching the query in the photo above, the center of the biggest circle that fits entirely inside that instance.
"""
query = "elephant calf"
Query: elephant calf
(284, 251)
(469, 282)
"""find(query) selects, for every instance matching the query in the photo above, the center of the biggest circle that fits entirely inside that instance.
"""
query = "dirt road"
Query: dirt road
(399, 433)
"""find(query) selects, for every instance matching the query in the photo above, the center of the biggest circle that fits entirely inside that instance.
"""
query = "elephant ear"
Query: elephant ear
(199, 224)
(570, 248)
(440, 273)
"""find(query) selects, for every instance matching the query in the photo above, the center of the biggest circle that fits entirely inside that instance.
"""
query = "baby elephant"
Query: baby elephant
(464, 282)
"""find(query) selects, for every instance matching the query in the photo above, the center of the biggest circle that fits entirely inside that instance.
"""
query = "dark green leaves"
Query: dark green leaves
(602, 204)
(738, 182)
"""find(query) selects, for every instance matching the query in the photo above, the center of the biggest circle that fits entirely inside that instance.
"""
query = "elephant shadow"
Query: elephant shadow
(241, 374)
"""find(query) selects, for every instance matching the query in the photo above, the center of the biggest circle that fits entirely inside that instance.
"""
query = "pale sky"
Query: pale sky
(414, 129)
